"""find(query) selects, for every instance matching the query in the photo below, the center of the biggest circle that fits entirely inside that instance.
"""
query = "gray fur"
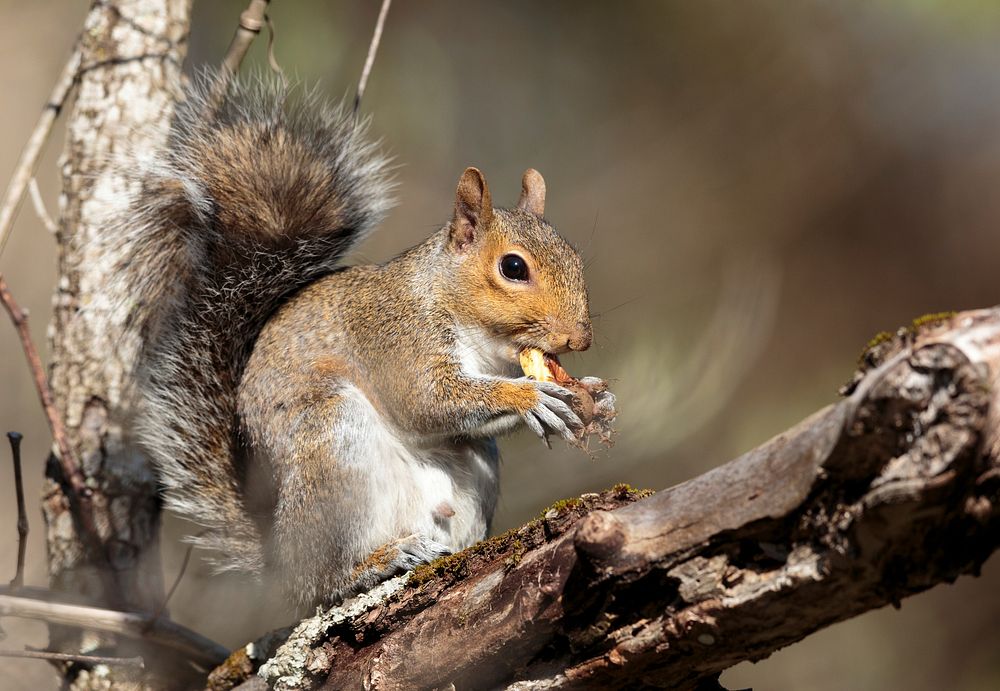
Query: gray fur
(246, 204)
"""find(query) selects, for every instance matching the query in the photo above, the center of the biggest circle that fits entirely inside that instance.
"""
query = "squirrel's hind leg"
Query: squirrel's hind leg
(395, 558)
(348, 513)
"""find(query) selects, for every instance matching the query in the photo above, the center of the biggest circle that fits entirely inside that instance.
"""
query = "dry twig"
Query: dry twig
(372, 50)
(67, 458)
(165, 633)
(252, 20)
(22, 514)
(28, 161)
(40, 210)
(173, 588)
(72, 657)
(68, 462)
(271, 60)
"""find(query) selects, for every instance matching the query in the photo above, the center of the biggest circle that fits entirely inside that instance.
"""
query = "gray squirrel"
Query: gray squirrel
(330, 427)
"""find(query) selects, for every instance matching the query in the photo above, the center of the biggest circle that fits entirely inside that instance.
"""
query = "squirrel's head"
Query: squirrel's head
(524, 282)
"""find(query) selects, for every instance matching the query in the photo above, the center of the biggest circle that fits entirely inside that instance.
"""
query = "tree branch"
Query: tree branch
(161, 632)
(889, 492)
(251, 22)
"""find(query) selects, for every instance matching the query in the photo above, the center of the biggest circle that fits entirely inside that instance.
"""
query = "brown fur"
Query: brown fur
(314, 418)
(390, 332)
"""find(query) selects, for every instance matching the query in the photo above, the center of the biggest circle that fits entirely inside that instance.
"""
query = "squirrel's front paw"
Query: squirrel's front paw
(552, 414)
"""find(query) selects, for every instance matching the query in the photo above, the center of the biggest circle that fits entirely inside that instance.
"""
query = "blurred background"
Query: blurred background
(758, 187)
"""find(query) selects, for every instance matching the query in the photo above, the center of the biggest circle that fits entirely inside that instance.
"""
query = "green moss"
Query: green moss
(562, 506)
(516, 542)
(438, 567)
(457, 564)
(915, 326)
(625, 491)
(517, 553)
(930, 320)
(878, 339)
(621, 491)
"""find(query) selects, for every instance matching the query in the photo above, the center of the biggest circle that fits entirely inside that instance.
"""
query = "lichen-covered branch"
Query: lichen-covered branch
(889, 492)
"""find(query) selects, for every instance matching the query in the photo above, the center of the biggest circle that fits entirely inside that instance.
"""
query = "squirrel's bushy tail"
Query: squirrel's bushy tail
(253, 198)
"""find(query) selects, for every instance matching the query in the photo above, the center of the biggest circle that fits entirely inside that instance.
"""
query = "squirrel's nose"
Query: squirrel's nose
(581, 336)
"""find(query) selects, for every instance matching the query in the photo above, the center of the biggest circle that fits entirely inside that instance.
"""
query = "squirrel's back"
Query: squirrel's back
(254, 196)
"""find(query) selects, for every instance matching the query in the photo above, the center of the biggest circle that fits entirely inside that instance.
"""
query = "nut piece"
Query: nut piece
(592, 401)
(533, 364)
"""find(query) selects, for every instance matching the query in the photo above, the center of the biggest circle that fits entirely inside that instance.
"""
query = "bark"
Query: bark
(131, 54)
(886, 493)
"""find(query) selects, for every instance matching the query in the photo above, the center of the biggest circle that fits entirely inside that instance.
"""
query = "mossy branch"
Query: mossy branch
(890, 491)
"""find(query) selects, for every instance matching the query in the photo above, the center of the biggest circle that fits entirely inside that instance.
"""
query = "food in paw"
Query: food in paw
(592, 401)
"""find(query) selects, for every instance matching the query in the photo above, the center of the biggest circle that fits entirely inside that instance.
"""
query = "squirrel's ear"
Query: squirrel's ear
(473, 208)
(532, 192)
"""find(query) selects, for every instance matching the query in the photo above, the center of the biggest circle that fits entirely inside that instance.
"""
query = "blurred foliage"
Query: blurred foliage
(758, 187)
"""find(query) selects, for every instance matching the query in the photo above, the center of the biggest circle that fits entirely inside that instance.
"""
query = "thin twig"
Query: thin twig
(271, 60)
(28, 161)
(251, 22)
(70, 465)
(70, 657)
(177, 581)
(67, 458)
(372, 50)
(163, 632)
(22, 514)
(39, 204)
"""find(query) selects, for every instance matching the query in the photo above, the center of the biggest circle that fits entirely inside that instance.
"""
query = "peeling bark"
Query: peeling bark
(131, 54)
(889, 492)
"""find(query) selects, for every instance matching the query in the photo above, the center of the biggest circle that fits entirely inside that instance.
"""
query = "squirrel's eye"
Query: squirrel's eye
(514, 268)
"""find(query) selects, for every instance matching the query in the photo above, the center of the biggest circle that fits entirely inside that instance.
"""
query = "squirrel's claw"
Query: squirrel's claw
(554, 390)
(536, 426)
(416, 549)
(552, 413)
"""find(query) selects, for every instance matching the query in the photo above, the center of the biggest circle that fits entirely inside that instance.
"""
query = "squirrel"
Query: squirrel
(331, 426)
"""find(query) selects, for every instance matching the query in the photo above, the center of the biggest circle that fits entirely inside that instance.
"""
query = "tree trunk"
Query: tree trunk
(889, 492)
(131, 55)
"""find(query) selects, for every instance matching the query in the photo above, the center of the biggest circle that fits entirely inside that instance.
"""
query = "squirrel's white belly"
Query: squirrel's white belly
(447, 492)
